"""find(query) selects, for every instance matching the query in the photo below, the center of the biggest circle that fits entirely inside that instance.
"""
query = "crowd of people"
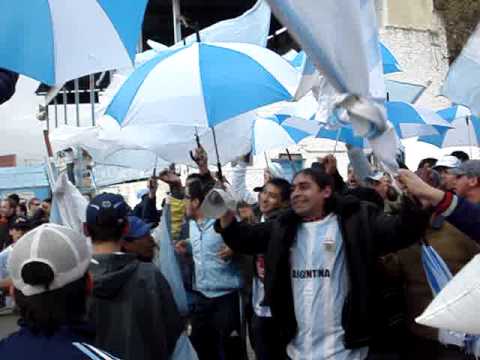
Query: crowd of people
(309, 267)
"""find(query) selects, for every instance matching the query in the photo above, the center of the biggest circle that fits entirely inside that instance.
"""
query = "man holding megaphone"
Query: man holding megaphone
(216, 276)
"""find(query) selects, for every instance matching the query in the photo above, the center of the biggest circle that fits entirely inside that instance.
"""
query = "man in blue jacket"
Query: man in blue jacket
(8, 80)
(49, 273)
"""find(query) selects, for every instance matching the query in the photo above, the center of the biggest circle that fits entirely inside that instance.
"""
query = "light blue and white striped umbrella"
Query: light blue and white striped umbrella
(390, 63)
(343, 134)
(56, 41)
(412, 121)
(203, 84)
(281, 131)
(465, 131)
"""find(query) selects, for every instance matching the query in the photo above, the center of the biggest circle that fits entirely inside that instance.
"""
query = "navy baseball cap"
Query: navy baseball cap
(107, 209)
(137, 228)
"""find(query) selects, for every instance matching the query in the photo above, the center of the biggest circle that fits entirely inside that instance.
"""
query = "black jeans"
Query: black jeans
(214, 321)
(266, 343)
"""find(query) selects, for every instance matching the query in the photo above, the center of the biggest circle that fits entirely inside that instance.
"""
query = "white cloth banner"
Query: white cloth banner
(252, 27)
(69, 203)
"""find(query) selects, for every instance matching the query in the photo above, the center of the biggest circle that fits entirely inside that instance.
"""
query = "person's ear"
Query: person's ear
(196, 203)
(327, 192)
(89, 285)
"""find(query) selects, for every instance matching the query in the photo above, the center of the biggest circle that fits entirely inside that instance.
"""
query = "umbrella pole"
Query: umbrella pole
(292, 164)
(219, 165)
(336, 141)
(467, 119)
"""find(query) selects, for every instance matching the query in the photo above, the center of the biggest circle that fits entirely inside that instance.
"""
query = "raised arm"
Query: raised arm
(244, 238)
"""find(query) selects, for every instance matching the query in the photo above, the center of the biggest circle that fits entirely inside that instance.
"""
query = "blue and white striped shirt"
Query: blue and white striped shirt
(320, 284)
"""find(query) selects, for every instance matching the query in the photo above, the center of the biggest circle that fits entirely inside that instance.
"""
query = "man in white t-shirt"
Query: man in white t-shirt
(320, 265)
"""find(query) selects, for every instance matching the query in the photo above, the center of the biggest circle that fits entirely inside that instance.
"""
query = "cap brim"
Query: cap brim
(457, 171)
(258, 189)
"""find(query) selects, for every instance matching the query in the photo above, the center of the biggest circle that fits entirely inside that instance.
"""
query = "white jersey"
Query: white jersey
(320, 284)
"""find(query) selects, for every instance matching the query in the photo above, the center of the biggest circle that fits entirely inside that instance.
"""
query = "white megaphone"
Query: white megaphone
(217, 203)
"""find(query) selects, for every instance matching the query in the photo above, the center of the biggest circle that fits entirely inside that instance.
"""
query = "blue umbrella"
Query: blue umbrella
(412, 121)
(465, 129)
(57, 41)
(281, 131)
(390, 64)
(403, 91)
(343, 134)
(203, 85)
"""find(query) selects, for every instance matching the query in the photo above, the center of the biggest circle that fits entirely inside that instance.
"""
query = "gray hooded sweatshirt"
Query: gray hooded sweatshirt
(133, 308)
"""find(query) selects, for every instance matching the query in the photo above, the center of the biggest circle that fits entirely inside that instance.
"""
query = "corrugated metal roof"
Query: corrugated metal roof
(21, 177)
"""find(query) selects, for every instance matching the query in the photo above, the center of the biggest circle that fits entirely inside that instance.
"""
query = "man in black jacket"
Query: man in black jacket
(8, 80)
(320, 265)
(132, 305)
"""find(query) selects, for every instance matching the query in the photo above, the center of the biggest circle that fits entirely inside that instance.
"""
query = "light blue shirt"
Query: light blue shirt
(320, 284)
(4, 255)
(213, 276)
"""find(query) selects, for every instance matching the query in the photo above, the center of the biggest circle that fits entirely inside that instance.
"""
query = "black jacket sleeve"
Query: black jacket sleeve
(395, 232)
(160, 320)
(147, 210)
(8, 80)
(245, 238)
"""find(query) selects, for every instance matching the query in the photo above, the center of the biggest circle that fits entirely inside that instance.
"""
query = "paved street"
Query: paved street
(8, 324)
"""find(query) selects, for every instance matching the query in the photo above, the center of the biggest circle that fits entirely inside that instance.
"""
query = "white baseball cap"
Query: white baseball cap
(448, 161)
(66, 252)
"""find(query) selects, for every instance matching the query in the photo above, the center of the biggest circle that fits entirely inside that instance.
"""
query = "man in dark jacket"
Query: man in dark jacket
(8, 80)
(146, 209)
(320, 265)
(132, 305)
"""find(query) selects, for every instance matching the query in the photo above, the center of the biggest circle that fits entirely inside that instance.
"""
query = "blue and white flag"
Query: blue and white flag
(340, 36)
(462, 85)
(166, 260)
(438, 275)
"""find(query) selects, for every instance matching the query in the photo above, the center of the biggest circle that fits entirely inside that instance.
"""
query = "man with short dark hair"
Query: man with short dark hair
(320, 265)
(132, 305)
(139, 240)
(215, 314)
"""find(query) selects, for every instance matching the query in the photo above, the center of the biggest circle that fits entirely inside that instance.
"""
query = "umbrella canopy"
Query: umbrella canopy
(403, 91)
(281, 131)
(411, 121)
(390, 64)
(465, 131)
(203, 85)
(56, 41)
(343, 134)
(173, 142)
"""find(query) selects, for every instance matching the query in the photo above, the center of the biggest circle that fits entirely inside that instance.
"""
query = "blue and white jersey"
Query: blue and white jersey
(93, 353)
(320, 284)
(4, 255)
(64, 344)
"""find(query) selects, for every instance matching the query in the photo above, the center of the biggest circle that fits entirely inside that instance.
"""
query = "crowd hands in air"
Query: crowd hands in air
(309, 267)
